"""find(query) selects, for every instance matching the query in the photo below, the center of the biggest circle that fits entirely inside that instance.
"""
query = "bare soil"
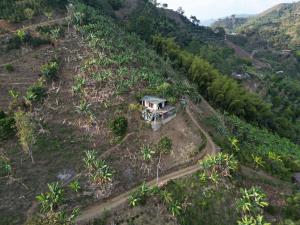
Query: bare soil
(64, 135)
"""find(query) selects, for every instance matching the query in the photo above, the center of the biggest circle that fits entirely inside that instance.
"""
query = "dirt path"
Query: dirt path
(35, 26)
(96, 210)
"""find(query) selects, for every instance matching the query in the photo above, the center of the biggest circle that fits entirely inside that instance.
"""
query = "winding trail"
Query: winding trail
(34, 26)
(95, 211)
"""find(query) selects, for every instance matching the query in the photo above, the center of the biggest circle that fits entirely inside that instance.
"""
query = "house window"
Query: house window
(151, 105)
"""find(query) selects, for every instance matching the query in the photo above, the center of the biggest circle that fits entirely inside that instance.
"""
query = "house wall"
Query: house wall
(147, 104)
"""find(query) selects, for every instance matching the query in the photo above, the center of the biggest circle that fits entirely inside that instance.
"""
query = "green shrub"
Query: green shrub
(7, 126)
(147, 152)
(119, 126)
(51, 199)
(9, 67)
(50, 70)
(140, 196)
(52, 31)
(36, 92)
(292, 210)
(99, 171)
(19, 40)
(5, 166)
(164, 145)
(75, 186)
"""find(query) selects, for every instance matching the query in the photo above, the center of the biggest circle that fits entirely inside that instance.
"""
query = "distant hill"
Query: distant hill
(231, 23)
(278, 26)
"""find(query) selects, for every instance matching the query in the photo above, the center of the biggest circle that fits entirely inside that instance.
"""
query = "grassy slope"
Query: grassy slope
(279, 26)
(109, 58)
(117, 67)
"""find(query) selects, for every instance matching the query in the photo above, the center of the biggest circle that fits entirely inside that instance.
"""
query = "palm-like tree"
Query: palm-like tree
(5, 166)
(175, 208)
(258, 161)
(102, 173)
(89, 159)
(147, 152)
(51, 199)
(83, 108)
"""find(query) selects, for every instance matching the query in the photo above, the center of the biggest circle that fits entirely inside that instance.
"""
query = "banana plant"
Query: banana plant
(5, 166)
(147, 152)
(89, 159)
(52, 199)
(75, 186)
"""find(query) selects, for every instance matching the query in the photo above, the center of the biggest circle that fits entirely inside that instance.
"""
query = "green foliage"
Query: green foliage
(75, 186)
(230, 24)
(164, 145)
(26, 132)
(84, 108)
(9, 67)
(259, 147)
(17, 11)
(119, 126)
(148, 19)
(194, 202)
(7, 126)
(79, 84)
(251, 205)
(222, 58)
(139, 69)
(220, 90)
(54, 31)
(99, 171)
(147, 152)
(252, 201)
(251, 220)
(5, 166)
(21, 35)
(292, 210)
(37, 92)
(89, 159)
(219, 166)
(227, 94)
(55, 218)
(24, 39)
(52, 199)
(50, 70)
(276, 27)
(140, 196)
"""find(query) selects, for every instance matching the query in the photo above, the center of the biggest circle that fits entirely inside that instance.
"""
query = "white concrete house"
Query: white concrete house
(157, 111)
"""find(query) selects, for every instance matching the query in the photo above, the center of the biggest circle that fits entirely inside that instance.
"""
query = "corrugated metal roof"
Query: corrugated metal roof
(153, 99)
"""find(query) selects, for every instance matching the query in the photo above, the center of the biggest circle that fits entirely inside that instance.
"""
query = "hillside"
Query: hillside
(278, 26)
(230, 24)
(75, 146)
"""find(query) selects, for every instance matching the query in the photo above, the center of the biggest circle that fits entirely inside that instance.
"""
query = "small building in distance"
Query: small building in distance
(157, 111)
